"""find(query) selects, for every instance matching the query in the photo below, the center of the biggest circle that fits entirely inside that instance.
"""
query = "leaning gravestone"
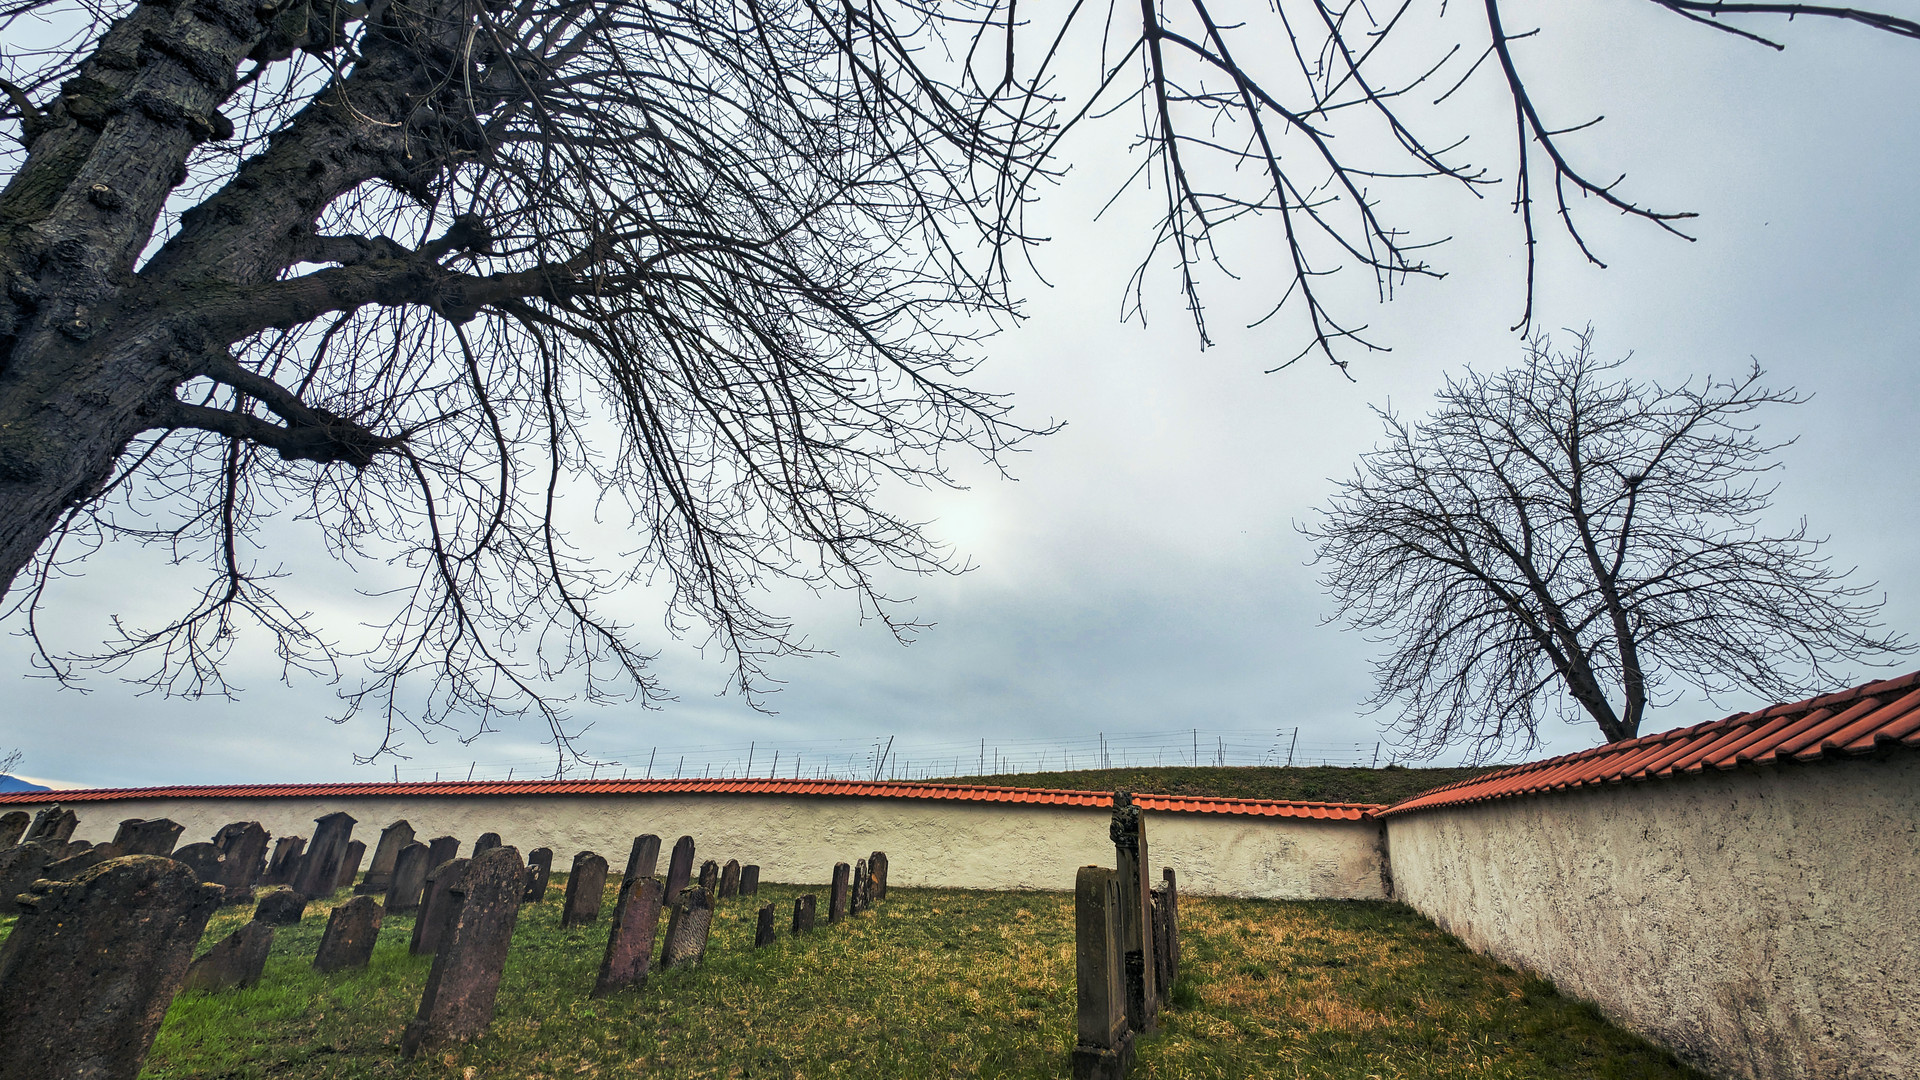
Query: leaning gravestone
(763, 934)
(458, 1001)
(152, 837)
(803, 913)
(442, 849)
(1128, 830)
(687, 929)
(710, 877)
(857, 895)
(54, 825)
(487, 842)
(636, 917)
(1103, 1038)
(1171, 886)
(877, 875)
(281, 907)
(409, 878)
(585, 885)
(350, 864)
(13, 825)
(644, 858)
(837, 899)
(285, 861)
(539, 872)
(1162, 978)
(438, 901)
(206, 862)
(234, 963)
(91, 966)
(21, 866)
(244, 843)
(320, 870)
(351, 931)
(679, 870)
(380, 875)
(749, 880)
(730, 879)
(72, 863)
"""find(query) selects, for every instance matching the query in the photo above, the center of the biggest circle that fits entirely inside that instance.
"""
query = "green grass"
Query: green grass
(933, 983)
(1313, 783)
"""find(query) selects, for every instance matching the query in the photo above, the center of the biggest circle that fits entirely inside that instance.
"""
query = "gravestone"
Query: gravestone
(487, 842)
(409, 879)
(687, 929)
(857, 895)
(730, 879)
(1103, 1038)
(21, 866)
(320, 868)
(1135, 929)
(1162, 979)
(710, 877)
(72, 863)
(877, 875)
(54, 825)
(350, 864)
(13, 826)
(442, 849)
(91, 966)
(636, 917)
(679, 869)
(206, 862)
(644, 859)
(1171, 886)
(837, 898)
(457, 1003)
(351, 931)
(586, 884)
(803, 913)
(437, 902)
(74, 847)
(244, 843)
(281, 907)
(379, 877)
(153, 837)
(539, 870)
(763, 933)
(286, 860)
(234, 962)
(750, 880)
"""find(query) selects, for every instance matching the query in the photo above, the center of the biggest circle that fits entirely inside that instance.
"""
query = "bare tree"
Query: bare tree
(1556, 534)
(416, 272)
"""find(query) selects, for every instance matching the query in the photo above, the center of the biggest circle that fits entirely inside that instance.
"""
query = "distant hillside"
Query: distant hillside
(1319, 783)
(14, 783)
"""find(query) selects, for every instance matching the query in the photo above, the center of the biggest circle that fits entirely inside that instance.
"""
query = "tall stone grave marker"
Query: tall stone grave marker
(1129, 832)
(644, 859)
(857, 896)
(750, 880)
(1103, 1038)
(350, 864)
(13, 826)
(730, 879)
(351, 931)
(437, 902)
(285, 861)
(636, 918)
(803, 913)
(409, 879)
(206, 862)
(687, 929)
(91, 966)
(154, 837)
(837, 899)
(763, 933)
(877, 874)
(77, 857)
(487, 842)
(539, 871)
(1170, 887)
(457, 1003)
(234, 962)
(321, 866)
(710, 877)
(679, 870)
(585, 885)
(442, 849)
(54, 825)
(379, 877)
(244, 843)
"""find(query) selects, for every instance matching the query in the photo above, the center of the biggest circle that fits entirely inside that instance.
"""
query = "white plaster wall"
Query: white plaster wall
(798, 839)
(1764, 924)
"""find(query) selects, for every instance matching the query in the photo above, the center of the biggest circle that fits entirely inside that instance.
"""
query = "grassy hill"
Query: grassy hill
(1318, 783)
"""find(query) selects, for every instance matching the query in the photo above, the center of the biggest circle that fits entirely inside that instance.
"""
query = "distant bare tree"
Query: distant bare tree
(1556, 532)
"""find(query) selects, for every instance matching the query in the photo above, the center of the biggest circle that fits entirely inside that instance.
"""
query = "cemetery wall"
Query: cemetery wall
(1762, 922)
(797, 838)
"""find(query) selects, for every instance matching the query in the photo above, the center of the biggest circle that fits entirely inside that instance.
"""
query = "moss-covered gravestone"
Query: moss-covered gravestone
(409, 878)
(636, 916)
(233, 963)
(352, 930)
(281, 907)
(437, 903)
(803, 913)
(687, 929)
(457, 1003)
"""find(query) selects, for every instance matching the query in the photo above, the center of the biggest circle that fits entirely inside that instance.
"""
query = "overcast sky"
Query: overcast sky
(1143, 576)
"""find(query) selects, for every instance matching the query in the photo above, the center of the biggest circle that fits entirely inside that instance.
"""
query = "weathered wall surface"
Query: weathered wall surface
(798, 839)
(1764, 924)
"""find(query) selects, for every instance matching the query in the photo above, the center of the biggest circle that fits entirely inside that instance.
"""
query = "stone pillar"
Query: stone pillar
(234, 963)
(837, 898)
(91, 966)
(679, 870)
(244, 843)
(54, 825)
(409, 879)
(437, 902)
(487, 842)
(636, 918)
(710, 877)
(286, 860)
(351, 932)
(442, 849)
(750, 880)
(350, 864)
(321, 866)
(1135, 930)
(687, 929)
(644, 859)
(857, 895)
(730, 879)
(280, 907)
(803, 913)
(763, 933)
(155, 837)
(539, 871)
(387, 852)
(13, 826)
(585, 885)
(457, 1003)
(877, 874)
(1103, 1038)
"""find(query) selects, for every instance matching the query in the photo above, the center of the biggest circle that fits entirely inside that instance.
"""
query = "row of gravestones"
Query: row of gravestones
(1126, 950)
(98, 953)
